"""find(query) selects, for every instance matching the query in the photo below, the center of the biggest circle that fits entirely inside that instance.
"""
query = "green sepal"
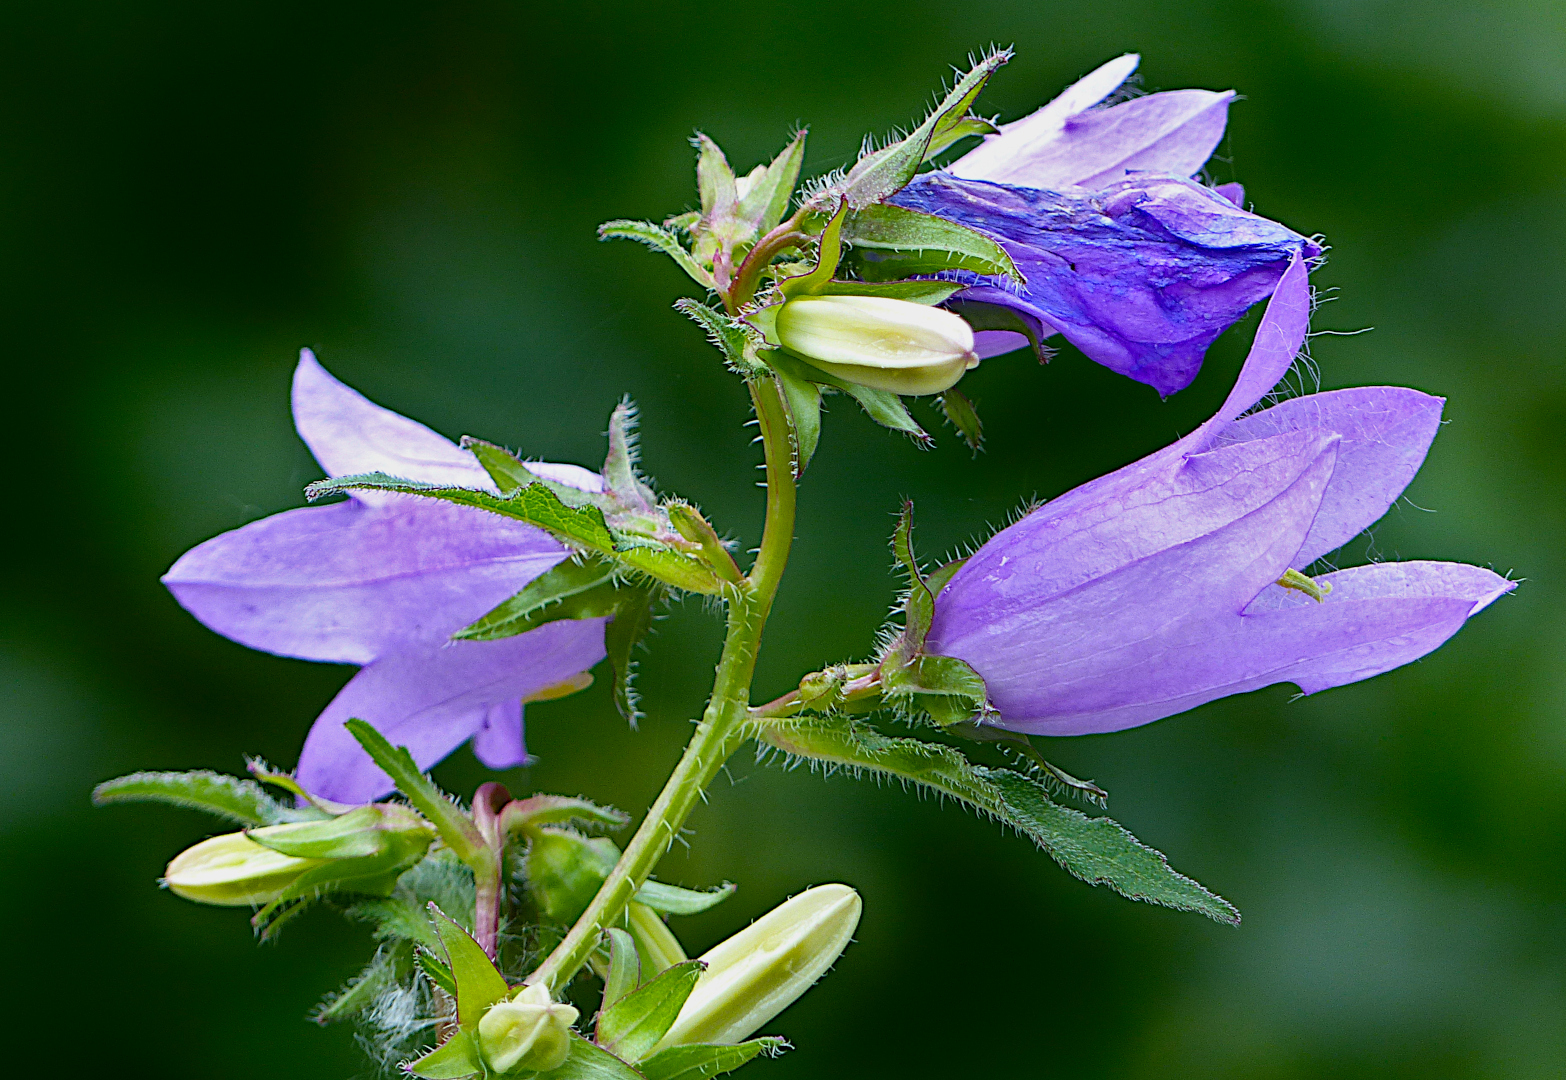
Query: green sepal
(437, 971)
(736, 340)
(479, 984)
(622, 483)
(588, 1062)
(767, 200)
(511, 473)
(882, 406)
(698, 1061)
(888, 170)
(456, 828)
(368, 830)
(583, 527)
(673, 900)
(624, 972)
(1097, 850)
(633, 618)
(549, 595)
(689, 523)
(897, 235)
(540, 810)
(929, 293)
(802, 401)
(659, 239)
(829, 251)
(242, 801)
(983, 316)
(714, 178)
(564, 870)
(656, 944)
(965, 128)
(633, 1025)
(961, 414)
(454, 1059)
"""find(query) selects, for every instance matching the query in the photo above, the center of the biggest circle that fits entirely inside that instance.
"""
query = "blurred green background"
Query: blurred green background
(191, 192)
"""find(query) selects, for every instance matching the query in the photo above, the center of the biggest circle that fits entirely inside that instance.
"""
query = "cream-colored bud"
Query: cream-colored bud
(234, 871)
(874, 341)
(760, 971)
(530, 1031)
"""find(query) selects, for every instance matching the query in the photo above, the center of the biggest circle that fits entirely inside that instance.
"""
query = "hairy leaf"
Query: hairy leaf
(1097, 850)
(802, 399)
(479, 984)
(438, 972)
(632, 609)
(732, 337)
(230, 797)
(702, 1060)
(633, 1025)
(673, 900)
(456, 828)
(511, 473)
(546, 595)
(937, 243)
(767, 200)
(829, 250)
(967, 127)
(961, 414)
(456, 1058)
(983, 316)
(589, 1062)
(539, 810)
(659, 239)
(928, 293)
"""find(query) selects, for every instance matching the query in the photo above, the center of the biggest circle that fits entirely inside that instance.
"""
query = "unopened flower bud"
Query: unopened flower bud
(530, 1031)
(881, 343)
(761, 970)
(234, 871)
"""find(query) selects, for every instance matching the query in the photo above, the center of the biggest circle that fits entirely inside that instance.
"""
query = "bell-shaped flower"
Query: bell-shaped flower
(1124, 256)
(1156, 588)
(383, 581)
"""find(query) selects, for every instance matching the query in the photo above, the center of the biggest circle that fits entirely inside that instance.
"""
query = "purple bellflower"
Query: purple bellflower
(383, 581)
(1154, 589)
(1125, 257)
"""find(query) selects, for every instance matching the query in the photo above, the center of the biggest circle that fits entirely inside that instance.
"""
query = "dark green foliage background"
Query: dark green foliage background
(190, 192)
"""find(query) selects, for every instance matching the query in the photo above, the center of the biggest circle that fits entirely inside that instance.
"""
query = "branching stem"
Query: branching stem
(721, 728)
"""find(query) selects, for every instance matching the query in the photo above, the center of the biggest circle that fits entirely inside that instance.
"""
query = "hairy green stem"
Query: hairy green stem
(721, 728)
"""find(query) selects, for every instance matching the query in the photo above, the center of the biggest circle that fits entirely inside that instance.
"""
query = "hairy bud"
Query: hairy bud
(763, 969)
(874, 341)
(234, 871)
(530, 1031)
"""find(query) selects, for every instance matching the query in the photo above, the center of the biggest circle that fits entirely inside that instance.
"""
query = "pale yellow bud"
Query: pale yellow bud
(761, 970)
(234, 871)
(877, 342)
(530, 1031)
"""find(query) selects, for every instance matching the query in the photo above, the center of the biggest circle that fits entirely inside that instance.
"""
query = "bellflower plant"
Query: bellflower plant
(516, 938)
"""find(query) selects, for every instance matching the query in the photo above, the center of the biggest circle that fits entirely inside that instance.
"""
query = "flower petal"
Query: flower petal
(1086, 657)
(351, 583)
(1172, 132)
(1386, 432)
(498, 744)
(432, 700)
(1016, 140)
(1141, 276)
(348, 433)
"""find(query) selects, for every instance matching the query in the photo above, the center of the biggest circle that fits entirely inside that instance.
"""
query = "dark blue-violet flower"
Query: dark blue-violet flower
(1125, 257)
(383, 581)
(1155, 589)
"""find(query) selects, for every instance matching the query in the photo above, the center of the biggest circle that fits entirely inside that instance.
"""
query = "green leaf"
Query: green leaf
(699, 1061)
(455, 827)
(354, 835)
(438, 972)
(961, 414)
(511, 473)
(673, 900)
(929, 293)
(983, 316)
(1096, 850)
(888, 170)
(548, 594)
(479, 984)
(633, 1025)
(243, 801)
(660, 239)
(625, 968)
(456, 1058)
(539, 810)
(937, 243)
(767, 200)
(802, 399)
(967, 127)
(829, 250)
(632, 620)
(588, 1062)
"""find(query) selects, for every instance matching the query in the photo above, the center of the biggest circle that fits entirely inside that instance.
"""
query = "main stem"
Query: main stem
(720, 731)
